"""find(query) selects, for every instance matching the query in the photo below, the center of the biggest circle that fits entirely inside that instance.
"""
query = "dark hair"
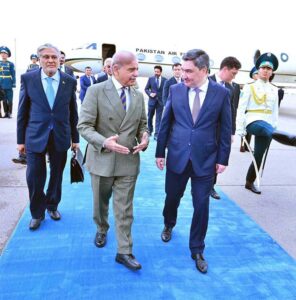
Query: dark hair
(63, 53)
(230, 62)
(176, 65)
(199, 57)
(88, 67)
(158, 67)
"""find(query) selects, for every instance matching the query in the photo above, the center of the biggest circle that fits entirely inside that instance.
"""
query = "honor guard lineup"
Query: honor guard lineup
(7, 81)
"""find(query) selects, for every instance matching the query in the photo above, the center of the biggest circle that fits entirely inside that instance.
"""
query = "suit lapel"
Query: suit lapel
(37, 83)
(208, 102)
(62, 84)
(185, 103)
(114, 99)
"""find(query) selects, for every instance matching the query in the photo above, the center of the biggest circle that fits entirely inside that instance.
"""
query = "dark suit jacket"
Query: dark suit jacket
(232, 103)
(166, 88)
(102, 78)
(84, 84)
(196, 141)
(69, 71)
(151, 87)
(35, 117)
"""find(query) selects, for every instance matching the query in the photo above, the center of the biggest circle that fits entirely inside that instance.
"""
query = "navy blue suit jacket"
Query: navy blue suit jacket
(102, 78)
(196, 141)
(151, 87)
(166, 89)
(84, 84)
(35, 117)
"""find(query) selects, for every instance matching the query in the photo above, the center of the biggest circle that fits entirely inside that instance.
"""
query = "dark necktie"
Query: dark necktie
(196, 105)
(157, 82)
(50, 91)
(123, 98)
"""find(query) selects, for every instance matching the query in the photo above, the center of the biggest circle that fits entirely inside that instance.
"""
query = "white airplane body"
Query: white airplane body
(93, 55)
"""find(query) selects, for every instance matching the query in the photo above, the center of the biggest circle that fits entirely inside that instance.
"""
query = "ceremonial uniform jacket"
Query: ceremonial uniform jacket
(258, 101)
(7, 75)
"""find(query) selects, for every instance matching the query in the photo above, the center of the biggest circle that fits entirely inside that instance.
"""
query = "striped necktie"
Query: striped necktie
(123, 98)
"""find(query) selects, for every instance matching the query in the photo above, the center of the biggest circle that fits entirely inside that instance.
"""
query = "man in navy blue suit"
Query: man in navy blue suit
(85, 82)
(177, 72)
(46, 123)
(193, 112)
(153, 89)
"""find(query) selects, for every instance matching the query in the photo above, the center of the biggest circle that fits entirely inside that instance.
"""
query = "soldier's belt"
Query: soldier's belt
(261, 111)
(6, 76)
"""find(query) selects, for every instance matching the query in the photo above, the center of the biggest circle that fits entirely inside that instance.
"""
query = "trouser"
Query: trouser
(36, 178)
(175, 186)
(154, 106)
(263, 135)
(7, 102)
(123, 188)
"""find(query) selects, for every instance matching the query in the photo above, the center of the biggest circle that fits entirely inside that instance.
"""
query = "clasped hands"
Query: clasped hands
(112, 145)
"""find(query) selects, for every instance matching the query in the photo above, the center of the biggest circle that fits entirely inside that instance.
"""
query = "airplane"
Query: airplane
(94, 54)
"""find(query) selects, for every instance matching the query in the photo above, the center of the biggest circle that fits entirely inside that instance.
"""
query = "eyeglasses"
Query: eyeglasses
(47, 57)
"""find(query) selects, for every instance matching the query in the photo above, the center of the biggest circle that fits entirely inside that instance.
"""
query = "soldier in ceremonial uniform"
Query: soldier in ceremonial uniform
(257, 114)
(7, 80)
(34, 64)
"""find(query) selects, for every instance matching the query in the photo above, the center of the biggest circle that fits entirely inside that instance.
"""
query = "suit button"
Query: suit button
(189, 144)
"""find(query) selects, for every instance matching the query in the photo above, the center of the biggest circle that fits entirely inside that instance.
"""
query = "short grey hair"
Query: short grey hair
(46, 46)
(108, 60)
(122, 58)
(199, 57)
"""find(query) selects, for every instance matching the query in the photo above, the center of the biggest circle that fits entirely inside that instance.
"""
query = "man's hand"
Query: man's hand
(152, 95)
(160, 163)
(220, 168)
(21, 148)
(75, 146)
(111, 144)
(232, 138)
(144, 143)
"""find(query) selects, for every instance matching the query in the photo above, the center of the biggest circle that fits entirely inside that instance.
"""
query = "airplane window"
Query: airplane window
(141, 56)
(284, 57)
(158, 58)
(176, 59)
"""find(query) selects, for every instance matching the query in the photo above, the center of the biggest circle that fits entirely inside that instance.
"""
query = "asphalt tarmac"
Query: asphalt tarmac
(274, 210)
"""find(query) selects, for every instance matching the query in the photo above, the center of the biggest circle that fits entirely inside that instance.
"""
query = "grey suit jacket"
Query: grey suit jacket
(101, 116)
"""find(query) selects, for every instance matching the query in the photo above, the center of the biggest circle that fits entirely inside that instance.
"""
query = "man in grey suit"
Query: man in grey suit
(113, 121)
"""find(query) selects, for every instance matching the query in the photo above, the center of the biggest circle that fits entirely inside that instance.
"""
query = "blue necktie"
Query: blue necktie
(50, 92)
(157, 82)
(123, 98)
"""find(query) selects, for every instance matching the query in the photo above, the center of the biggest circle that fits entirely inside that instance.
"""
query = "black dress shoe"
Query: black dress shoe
(20, 160)
(35, 223)
(100, 239)
(129, 261)
(250, 186)
(54, 214)
(166, 234)
(200, 262)
(215, 195)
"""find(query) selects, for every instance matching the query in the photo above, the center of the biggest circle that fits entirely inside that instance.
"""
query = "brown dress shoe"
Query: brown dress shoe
(100, 239)
(54, 214)
(129, 261)
(166, 234)
(200, 262)
(250, 186)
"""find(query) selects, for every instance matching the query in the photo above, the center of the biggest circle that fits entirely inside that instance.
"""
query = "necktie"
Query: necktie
(196, 105)
(50, 92)
(123, 98)
(157, 82)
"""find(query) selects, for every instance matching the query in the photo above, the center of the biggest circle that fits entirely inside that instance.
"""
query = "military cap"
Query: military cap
(267, 60)
(33, 56)
(253, 71)
(5, 50)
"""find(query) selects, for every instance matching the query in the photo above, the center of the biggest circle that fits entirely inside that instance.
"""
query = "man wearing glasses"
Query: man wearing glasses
(46, 123)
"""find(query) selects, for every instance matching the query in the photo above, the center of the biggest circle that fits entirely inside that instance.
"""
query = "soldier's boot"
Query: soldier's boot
(9, 110)
(5, 107)
(284, 138)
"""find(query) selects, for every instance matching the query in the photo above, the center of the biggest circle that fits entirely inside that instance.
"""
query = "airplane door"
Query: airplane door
(108, 50)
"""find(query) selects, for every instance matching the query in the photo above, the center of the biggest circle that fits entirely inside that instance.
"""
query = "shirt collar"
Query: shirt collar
(117, 84)
(203, 87)
(56, 76)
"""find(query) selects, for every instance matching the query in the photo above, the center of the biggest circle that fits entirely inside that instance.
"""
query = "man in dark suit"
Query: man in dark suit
(107, 71)
(153, 89)
(193, 112)
(63, 67)
(85, 82)
(173, 80)
(46, 123)
(228, 69)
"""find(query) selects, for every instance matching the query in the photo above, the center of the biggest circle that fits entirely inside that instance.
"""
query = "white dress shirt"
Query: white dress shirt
(118, 87)
(202, 94)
